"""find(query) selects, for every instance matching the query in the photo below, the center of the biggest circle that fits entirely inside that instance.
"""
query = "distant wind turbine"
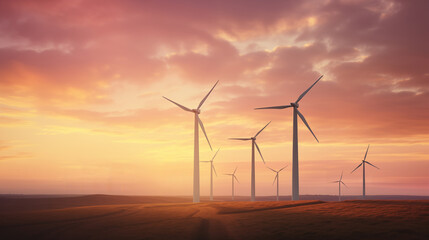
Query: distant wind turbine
(233, 178)
(277, 178)
(252, 188)
(212, 168)
(363, 169)
(197, 122)
(339, 186)
(295, 105)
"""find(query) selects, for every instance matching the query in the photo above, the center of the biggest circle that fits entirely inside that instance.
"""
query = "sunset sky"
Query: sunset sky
(81, 86)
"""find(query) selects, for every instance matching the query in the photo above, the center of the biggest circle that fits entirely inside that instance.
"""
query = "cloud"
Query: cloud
(102, 67)
(73, 57)
(8, 152)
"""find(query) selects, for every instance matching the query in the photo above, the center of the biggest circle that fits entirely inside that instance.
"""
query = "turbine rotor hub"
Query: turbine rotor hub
(197, 111)
(295, 105)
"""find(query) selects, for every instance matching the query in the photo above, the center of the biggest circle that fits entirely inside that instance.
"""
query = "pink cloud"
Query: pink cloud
(52, 47)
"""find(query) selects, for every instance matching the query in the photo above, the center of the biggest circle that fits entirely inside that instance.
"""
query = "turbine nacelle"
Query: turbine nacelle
(197, 111)
(364, 161)
(295, 105)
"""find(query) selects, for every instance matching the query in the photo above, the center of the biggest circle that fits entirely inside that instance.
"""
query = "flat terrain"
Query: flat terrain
(119, 217)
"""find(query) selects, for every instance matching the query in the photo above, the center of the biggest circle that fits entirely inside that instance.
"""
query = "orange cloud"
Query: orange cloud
(86, 75)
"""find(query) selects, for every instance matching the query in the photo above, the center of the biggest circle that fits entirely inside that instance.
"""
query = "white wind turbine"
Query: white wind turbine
(277, 178)
(295, 105)
(252, 185)
(339, 186)
(212, 168)
(233, 178)
(197, 122)
(363, 168)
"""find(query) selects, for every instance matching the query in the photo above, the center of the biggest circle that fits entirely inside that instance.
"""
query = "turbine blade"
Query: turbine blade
(236, 178)
(366, 152)
(344, 184)
(275, 107)
(204, 99)
(181, 106)
(242, 139)
(341, 176)
(272, 169)
(262, 129)
(259, 152)
(306, 124)
(204, 131)
(215, 155)
(357, 167)
(283, 168)
(306, 91)
(275, 179)
(334, 181)
(214, 169)
(372, 164)
(235, 170)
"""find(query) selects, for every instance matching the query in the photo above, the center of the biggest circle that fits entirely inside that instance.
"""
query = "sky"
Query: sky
(81, 86)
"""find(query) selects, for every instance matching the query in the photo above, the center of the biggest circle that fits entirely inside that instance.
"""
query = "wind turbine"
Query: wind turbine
(197, 122)
(363, 168)
(295, 105)
(233, 178)
(252, 188)
(212, 168)
(277, 178)
(339, 186)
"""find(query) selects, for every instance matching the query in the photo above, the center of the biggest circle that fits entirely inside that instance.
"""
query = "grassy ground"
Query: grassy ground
(356, 219)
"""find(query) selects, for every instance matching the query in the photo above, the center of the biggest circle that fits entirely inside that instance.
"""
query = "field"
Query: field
(121, 217)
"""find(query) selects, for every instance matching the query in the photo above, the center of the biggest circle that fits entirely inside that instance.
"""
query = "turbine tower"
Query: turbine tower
(212, 168)
(252, 185)
(296, 112)
(197, 121)
(277, 178)
(363, 169)
(233, 178)
(339, 186)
